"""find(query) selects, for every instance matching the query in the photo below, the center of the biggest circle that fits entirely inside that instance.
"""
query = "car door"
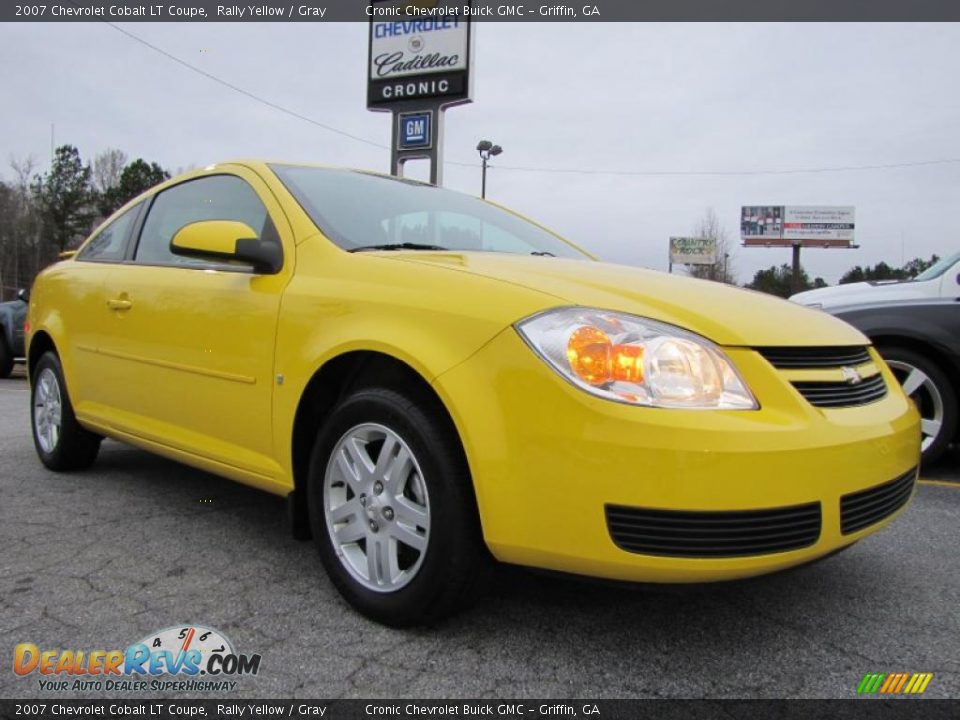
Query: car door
(195, 339)
(950, 282)
(81, 301)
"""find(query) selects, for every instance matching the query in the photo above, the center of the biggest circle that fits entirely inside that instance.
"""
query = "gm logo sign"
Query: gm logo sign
(415, 130)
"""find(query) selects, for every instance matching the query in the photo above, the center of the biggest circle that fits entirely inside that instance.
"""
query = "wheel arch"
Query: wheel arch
(329, 384)
(40, 342)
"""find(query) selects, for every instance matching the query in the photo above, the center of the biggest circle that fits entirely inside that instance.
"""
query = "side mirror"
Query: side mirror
(220, 240)
(23, 295)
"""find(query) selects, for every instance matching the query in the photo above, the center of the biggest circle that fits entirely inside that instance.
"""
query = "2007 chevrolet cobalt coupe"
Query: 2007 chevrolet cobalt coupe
(428, 378)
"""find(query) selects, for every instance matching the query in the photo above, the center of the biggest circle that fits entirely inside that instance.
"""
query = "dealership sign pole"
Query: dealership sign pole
(419, 64)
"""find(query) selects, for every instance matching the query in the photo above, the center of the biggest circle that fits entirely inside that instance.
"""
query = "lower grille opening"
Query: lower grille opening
(673, 533)
(865, 508)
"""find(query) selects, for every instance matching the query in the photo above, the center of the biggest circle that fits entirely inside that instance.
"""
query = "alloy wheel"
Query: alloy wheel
(925, 395)
(47, 410)
(376, 507)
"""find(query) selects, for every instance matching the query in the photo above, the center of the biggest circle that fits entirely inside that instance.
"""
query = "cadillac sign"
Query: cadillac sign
(419, 51)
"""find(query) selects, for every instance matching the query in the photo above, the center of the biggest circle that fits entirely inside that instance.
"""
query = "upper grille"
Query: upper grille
(674, 533)
(842, 394)
(794, 358)
(862, 509)
(829, 394)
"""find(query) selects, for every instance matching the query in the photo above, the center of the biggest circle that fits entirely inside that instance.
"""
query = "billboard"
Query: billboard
(761, 222)
(813, 225)
(693, 251)
(418, 51)
(807, 225)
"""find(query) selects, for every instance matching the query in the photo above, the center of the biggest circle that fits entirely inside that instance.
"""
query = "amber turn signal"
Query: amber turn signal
(596, 360)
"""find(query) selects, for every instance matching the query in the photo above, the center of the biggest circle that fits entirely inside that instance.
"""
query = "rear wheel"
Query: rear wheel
(932, 392)
(392, 509)
(61, 442)
(6, 356)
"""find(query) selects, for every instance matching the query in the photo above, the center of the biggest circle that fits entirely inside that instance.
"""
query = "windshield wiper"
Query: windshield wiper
(398, 246)
(543, 253)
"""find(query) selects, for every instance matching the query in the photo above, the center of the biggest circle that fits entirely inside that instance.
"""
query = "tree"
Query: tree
(722, 270)
(137, 177)
(779, 281)
(64, 198)
(918, 265)
(107, 168)
(880, 271)
(19, 236)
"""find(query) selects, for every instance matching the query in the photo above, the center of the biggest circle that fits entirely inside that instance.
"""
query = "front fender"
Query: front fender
(427, 317)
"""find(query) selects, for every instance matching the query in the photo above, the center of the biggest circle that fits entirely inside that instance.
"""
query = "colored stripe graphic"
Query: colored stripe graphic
(870, 683)
(894, 683)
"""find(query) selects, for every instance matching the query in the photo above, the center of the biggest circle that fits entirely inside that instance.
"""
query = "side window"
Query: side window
(110, 243)
(220, 197)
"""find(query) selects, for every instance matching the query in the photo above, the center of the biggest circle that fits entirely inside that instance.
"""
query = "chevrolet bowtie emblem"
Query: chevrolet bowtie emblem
(851, 375)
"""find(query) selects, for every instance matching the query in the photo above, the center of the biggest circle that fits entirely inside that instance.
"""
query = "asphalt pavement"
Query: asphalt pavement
(102, 558)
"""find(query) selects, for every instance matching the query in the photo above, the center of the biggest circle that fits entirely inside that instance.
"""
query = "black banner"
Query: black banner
(439, 85)
(916, 708)
(496, 10)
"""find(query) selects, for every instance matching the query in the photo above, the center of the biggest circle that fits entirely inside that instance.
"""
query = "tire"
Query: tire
(61, 443)
(6, 356)
(932, 392)
(425, 499)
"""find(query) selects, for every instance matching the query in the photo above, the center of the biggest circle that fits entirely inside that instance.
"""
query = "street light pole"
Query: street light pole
(486, 149)
(483, 181)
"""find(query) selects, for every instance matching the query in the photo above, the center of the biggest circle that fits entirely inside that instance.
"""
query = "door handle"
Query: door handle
(118, 304)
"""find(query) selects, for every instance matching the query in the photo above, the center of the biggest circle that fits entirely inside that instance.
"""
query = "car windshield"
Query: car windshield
(364, 211)
(938, 268)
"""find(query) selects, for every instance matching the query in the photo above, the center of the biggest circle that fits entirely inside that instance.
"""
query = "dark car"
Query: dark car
(12, 316)
(920, 340)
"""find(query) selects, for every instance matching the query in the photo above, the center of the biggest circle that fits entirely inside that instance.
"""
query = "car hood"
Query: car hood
(862, 292)
(728, 316)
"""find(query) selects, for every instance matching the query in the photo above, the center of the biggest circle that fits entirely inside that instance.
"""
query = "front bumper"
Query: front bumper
(548, 459)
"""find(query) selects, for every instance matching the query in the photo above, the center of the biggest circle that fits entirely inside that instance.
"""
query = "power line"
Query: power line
(703, 173)
(514, 168)
(247, 93)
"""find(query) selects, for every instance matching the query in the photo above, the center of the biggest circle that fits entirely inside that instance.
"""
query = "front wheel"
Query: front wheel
(392, 509)
(935, 397)
(61, 443)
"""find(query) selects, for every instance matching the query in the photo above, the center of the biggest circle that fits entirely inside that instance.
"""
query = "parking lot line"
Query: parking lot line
(940, 483)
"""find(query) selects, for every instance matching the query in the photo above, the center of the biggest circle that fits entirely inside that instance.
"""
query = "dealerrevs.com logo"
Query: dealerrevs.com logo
(183, 658)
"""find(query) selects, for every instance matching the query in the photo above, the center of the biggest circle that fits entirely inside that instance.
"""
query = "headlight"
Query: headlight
(635, 360)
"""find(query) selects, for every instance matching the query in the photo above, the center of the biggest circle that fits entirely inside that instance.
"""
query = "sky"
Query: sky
(627, 97)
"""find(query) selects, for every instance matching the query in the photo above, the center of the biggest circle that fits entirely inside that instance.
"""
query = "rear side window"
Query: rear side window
(110, 243)
(220, 197)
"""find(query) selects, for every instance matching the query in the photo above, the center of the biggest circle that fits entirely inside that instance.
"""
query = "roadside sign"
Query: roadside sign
(820, 226)
(418, 52)
(693, 251)
(805, 225)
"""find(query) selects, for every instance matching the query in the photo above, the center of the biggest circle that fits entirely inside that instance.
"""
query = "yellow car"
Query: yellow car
(430, 379)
